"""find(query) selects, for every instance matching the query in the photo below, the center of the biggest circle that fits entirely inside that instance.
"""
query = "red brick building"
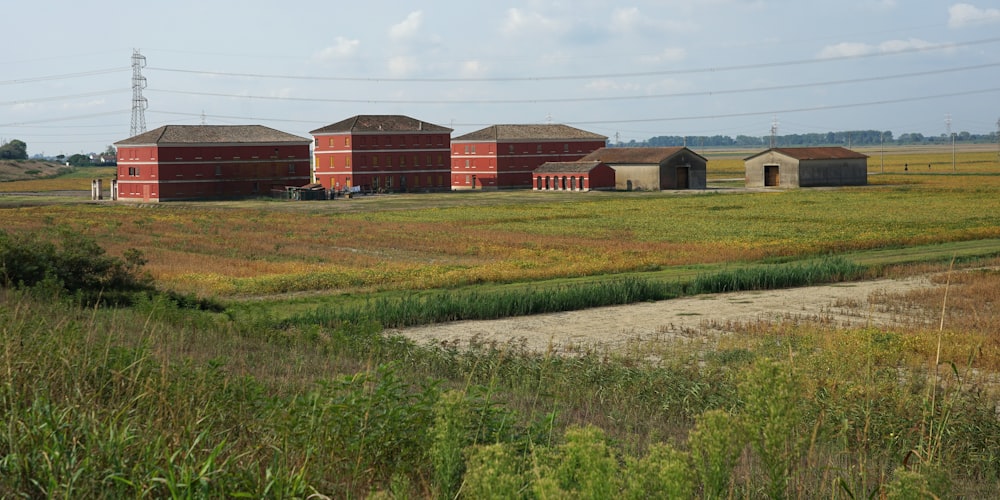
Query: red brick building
(573, 176)
(383, 153)
(184, 162)
(504, 156)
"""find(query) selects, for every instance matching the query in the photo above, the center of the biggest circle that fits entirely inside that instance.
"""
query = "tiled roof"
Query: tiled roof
(566, 166)
(819, 153)
(207, 134)
(635, 155)
(380, 123)
(544, 132)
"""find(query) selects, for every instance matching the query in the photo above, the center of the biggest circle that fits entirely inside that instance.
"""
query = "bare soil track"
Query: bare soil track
(846, 304)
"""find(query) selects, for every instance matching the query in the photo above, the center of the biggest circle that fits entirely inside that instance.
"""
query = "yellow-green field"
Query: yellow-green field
(421, 241)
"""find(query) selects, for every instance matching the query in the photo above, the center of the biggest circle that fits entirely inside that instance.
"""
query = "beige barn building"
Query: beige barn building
(653, 169)
(806, 167)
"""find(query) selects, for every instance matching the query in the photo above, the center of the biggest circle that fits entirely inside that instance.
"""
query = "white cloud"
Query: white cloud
(402, 65)
(341, 49)
(667, 55)
(900, 45)
(473, 68)
(963, 14)
(632, 20)
(855, 49)
(845, 49)
(519, 21)
(407, 28)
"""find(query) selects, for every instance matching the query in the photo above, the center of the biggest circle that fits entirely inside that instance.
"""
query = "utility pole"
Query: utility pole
(881, 141)
(139, 102)
(947, 124)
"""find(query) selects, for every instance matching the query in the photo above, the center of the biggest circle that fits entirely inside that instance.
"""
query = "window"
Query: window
(331, 162)
(440, 160)
(566, 148)
(388, 182)
(429, 160)
(511, 149)
(416, 161)
(402, 161)
(466, 163)
(466, 149)
(539, 149)
(347, 141)
(331, 142)
(473, 149)
(291, 168)
(375, 161)
(218, 170)
(347, 162)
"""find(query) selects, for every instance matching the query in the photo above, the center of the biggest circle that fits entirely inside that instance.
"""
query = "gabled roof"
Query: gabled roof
(208, 134)
(541, 132)
(817, 153)
(551, 167)
(636, 155)
(379, 123)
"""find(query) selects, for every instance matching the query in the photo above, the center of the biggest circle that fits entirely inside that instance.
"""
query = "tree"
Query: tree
(80, 160)
(14, 150)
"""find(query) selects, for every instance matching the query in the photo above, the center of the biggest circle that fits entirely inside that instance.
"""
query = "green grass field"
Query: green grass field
(261, 368)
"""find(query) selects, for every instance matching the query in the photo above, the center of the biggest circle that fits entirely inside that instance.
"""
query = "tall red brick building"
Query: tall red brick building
(185, 162)
(383, 153)
(504, 156)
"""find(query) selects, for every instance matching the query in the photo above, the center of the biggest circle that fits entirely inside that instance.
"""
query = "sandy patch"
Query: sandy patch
(846, 304)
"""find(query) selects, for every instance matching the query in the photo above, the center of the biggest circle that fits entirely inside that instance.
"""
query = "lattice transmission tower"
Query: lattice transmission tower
(139, 102)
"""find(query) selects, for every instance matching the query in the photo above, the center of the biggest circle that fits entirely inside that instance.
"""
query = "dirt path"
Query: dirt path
(841, 304)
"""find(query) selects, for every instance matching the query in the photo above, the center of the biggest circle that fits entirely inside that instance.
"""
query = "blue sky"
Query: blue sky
(630, 70)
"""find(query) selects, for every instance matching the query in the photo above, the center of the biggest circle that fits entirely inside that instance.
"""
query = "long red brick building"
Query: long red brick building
(504, 156)
(187, 162)
(392, 153)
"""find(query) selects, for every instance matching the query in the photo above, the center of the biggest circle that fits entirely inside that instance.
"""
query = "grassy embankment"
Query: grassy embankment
(156, 400)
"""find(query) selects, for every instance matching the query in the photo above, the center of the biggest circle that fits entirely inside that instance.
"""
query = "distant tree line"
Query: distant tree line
(849, 138)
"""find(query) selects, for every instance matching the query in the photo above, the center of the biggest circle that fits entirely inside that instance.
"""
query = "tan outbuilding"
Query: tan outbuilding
(806, 167)
(653, 169)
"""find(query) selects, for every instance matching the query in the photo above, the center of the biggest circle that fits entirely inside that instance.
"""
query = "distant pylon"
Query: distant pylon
(774, 132)
(139, 102)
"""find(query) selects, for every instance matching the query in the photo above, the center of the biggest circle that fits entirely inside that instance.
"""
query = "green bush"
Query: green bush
(77, 266)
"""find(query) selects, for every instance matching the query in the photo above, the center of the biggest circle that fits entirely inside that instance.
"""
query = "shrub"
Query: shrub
(78, 266)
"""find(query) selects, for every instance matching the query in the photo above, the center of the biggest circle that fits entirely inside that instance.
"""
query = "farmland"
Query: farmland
(276, 393)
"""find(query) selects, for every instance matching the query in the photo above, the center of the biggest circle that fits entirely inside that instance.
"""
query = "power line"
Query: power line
(63, 76)
(63, 97)
(589, 76)
(585, 99)
(660, 119)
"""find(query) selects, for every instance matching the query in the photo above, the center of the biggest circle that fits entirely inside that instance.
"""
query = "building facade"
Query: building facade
(573, 176)
(383, 153)
(504, 156)
(806, 167)
(186, 162)
(654, 169)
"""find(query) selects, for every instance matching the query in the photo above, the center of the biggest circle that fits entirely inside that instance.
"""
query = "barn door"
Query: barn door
(771, 175)
(682, 178)
(145, 192)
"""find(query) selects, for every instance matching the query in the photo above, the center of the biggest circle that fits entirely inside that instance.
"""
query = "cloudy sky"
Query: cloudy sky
(628, 70)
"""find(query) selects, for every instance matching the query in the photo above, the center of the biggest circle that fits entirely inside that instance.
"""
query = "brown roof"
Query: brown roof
(551, 167)
(544, 132)
(208, 134)
(379, 123)
(819, 153)
(635, 155)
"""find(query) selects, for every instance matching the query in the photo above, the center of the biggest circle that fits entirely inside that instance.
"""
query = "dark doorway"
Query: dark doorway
(682, 178)
(771, 177)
